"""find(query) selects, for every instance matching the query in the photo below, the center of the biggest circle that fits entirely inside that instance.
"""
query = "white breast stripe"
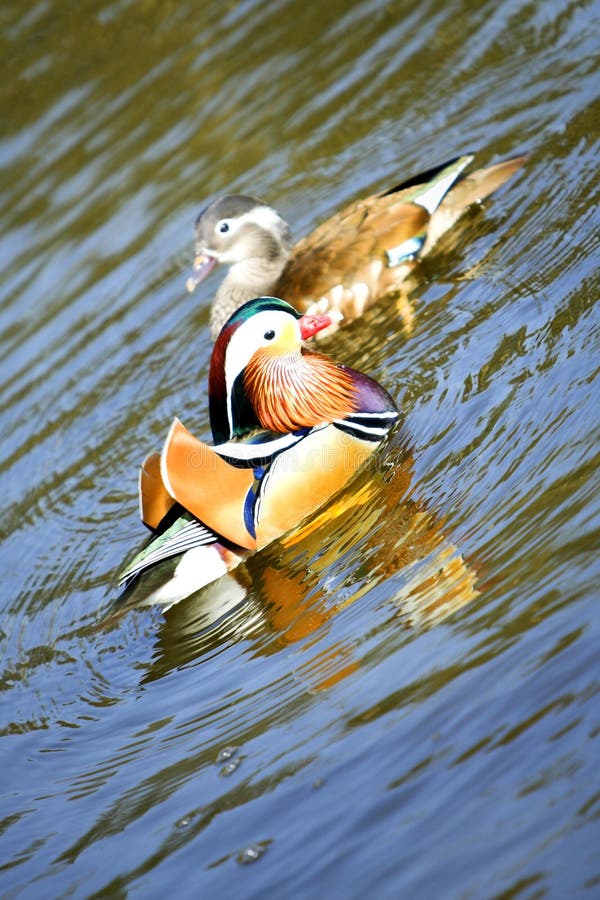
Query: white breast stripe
(384, 414)
(260, 449)
(349, 425)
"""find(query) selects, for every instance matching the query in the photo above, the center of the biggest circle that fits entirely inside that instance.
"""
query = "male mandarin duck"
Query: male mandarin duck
(358, 255)
(290, 427)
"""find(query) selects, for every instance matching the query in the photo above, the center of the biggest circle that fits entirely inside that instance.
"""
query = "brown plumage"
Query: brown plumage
(357, 256)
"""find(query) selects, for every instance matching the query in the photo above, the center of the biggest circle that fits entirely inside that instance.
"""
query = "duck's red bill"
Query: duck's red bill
(310, 325)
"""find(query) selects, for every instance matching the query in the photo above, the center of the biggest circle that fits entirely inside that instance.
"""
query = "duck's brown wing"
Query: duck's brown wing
(344, 262)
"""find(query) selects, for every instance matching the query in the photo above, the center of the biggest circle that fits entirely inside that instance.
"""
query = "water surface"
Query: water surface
(402, 700)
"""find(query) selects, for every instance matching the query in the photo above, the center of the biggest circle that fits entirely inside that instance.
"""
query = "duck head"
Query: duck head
(261, 377)
(239, 230)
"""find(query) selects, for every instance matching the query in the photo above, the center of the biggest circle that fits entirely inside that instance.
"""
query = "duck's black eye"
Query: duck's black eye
(269, 335)
(223, 227)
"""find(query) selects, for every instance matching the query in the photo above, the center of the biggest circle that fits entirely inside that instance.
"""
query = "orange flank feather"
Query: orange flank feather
(155, 500)
(297, 390)
(206, 485)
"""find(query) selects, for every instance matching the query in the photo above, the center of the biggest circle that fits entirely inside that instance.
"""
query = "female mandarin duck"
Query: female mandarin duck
(360, 254)
(290, 428)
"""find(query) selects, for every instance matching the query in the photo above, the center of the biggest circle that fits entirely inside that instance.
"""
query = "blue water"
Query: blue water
(402, 702)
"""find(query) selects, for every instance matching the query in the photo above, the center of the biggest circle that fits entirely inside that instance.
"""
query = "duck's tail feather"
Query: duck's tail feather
(184, 534)
(471, 188)
(190, 557)
(431, 194)
(476, 186)
(180, 576)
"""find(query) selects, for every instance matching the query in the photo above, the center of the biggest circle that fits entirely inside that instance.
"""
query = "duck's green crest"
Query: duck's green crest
(260, 304)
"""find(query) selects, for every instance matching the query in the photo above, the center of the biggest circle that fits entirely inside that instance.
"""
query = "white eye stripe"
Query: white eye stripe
(246, 340)
(263, 216)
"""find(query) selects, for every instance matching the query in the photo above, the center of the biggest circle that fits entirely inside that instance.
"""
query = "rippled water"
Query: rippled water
(402, 700)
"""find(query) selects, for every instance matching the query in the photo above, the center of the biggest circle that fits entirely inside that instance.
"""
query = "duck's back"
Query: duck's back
(343, 264)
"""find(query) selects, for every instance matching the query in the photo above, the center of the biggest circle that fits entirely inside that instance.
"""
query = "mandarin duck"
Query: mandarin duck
(358, 255)
(290, 427)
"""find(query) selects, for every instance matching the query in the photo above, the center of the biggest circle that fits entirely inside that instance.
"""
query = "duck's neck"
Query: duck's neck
(245, 280)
